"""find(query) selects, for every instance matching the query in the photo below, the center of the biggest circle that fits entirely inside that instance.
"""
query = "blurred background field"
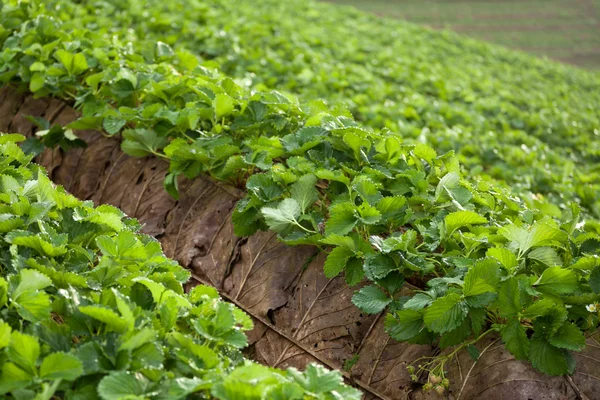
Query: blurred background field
(565, 30)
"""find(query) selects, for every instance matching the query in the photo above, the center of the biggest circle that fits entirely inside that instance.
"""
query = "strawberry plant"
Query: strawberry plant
(388, 211)
(517, 121)
(91, 308)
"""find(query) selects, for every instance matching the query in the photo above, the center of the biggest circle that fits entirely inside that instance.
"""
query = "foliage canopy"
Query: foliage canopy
(396, 204)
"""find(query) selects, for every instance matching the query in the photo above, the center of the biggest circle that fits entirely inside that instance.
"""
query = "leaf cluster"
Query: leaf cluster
(90, 308)
(387, 210)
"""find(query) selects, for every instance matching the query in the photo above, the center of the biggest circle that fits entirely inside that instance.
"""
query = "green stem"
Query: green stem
(462, 346)
(159, 154)
(303, 228)
(187, 137)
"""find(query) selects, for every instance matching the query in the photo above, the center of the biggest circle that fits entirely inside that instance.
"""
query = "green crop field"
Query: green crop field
(565, 30)
(296, 200)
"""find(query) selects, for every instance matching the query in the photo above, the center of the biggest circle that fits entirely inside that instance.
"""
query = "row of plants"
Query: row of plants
(389, 211)
(530, 125)
(90, 308)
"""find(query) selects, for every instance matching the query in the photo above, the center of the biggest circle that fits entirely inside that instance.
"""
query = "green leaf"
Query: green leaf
(73, 63)
(482, 277)
(283, 218)
(448, 182)
(367, 189)
(407, 325)
(172, 185)
(163, 50)
(32, 241)
(247, 382)
(568, 337)
(332, 175)
(425, 152)
(391, 209)
(61, 366)
(37, 66)
(478, 317)
(81, 124)
(24, 351)
(546, 358)
(106, 215)
(223, 105)
(586, 263)
(182, 388)
(4, 334)
(37, 82)
(538, 308)
(33, 306)
(124, 309)
(371, 299)
(79, 64)
(354, 271)
(336, 261)
(474, 352)
(367, 214)
(557, 280)
(139, 339)
(112, 125)
(418, 302)
(242, 319)
(539, 234)
(378, 266)
(122, 88)
(233, 337)
(316, 379)
(357, 143)
(264, 187)
(305, 192)
(445, 313)
(3, 291)
(545, 255)
(507, 258)
(457, 335)
(13, 377)
(30, 280)
(459, 219)
(509, 298)
(122, 385)
(341, 220)
(107, 316)
(65, 58)
(549, 323)
(224, 319)
(481, 300)
(142, 142)
(342, 241)
(449, 189)
(94, 80)
(304, 139)
(160, 293)
(595, 280)
(203, 293)
(395, 243)
(515, 338)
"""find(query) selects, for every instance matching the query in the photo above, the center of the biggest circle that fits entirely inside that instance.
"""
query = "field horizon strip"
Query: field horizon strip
(563, 30)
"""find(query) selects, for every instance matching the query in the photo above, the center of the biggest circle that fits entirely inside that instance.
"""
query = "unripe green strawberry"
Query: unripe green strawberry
(440, 390)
